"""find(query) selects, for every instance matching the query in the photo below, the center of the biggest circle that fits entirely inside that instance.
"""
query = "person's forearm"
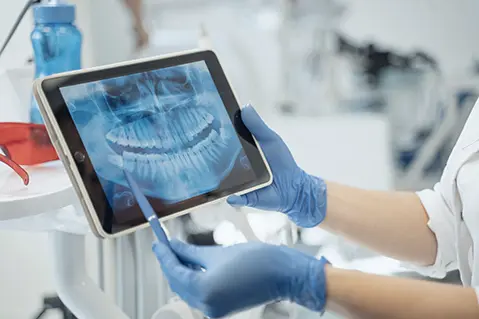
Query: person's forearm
(135, 7)
(391, 223)
(359, 295)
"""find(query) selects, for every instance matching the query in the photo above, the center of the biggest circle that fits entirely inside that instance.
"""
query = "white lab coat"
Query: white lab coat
(453, 209)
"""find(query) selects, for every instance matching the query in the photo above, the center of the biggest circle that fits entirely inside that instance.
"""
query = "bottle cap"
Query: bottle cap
(54, 12)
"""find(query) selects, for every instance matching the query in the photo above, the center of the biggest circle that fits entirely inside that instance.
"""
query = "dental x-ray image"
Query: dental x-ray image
(168, 128)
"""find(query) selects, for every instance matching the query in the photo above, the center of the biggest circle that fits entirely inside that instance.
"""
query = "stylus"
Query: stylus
(147, 210)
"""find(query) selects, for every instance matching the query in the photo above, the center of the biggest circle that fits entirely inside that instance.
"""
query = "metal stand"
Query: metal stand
(140, 289)
(87, 301)
(75, 288)
(54, 303)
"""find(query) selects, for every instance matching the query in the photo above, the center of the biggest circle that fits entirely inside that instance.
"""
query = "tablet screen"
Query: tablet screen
(168, 127)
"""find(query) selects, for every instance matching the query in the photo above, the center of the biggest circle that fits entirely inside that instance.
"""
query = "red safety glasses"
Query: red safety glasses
(25, 144)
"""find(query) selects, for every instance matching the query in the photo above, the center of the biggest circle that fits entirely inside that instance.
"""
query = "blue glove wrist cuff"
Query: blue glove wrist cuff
(309, 207)
(311, 291)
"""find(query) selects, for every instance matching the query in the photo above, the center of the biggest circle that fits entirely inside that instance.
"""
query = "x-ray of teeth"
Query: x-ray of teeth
(168, 128)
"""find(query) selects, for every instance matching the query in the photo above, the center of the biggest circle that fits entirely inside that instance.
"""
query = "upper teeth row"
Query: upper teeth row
(202, 157)
(162, 133)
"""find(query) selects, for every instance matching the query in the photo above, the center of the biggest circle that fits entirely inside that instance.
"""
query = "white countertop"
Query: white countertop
(49, 189)
(46, 203)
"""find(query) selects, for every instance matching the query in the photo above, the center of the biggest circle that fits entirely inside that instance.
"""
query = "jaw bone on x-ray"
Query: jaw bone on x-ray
(167, 127)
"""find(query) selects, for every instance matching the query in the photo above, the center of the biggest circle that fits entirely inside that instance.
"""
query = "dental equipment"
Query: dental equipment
(308, 45)
(17, 23)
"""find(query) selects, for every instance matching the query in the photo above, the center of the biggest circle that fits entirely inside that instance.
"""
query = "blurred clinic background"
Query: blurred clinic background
(368, 93)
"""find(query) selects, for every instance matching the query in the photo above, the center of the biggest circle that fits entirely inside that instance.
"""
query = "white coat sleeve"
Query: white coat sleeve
(442, 224)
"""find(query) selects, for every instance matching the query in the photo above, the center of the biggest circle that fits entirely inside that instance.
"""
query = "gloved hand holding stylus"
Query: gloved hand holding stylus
(300, 196)
(219, 281)
(242, 276)
(247, 275)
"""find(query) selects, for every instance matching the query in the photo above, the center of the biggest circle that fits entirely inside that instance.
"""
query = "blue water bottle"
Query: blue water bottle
(56, 43)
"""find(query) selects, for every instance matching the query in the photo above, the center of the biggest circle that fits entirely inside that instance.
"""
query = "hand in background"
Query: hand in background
(141, 35)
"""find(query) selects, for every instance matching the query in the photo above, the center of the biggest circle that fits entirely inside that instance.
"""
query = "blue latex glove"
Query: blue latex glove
(242, 276)
(294, 192)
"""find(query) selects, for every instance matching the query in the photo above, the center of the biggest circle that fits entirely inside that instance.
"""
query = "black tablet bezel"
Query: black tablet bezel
(51, 88)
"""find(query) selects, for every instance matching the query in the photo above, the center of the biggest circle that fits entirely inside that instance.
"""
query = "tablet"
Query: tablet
(172, 122)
